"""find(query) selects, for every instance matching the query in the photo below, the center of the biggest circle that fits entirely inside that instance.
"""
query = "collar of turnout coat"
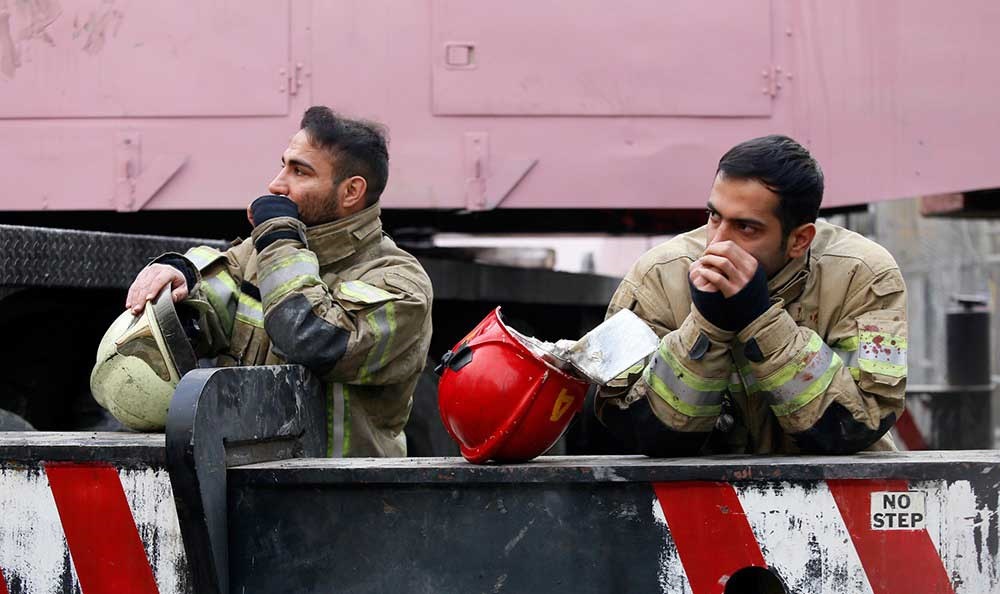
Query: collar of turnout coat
(335, 241)
(788, 284)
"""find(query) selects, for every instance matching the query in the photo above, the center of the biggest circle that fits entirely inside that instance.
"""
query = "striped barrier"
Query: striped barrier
(91, 527)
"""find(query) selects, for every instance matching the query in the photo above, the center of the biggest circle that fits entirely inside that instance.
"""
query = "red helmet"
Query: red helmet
(499, 400)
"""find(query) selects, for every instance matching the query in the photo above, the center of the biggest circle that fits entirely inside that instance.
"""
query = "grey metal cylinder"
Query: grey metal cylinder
(961, 416)
(967, 325)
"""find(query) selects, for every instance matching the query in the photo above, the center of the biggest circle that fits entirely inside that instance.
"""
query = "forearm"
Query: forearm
(824, 402)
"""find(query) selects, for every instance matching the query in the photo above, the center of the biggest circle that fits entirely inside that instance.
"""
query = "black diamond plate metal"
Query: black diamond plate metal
(39, 257)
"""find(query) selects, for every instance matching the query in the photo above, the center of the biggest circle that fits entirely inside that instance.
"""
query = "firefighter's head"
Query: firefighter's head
(765, 198)
(333, 166)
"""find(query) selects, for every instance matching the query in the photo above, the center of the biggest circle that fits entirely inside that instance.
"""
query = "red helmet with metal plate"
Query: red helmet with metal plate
(499, 400)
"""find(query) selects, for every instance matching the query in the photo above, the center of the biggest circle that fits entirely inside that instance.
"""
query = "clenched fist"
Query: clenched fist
(724, 267)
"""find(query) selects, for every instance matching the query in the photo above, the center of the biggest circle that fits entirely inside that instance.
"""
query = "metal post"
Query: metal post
(961, 418)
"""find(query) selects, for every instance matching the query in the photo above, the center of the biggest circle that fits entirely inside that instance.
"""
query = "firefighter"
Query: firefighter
(779, 333)
(318, 284)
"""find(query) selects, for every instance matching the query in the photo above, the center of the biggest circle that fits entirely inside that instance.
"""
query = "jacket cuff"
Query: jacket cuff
(696, 323)
(191, 275)
(276, 229)
(771, 330)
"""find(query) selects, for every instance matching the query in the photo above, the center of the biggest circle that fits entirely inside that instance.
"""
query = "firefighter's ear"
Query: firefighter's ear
(800, 239)
(353, 190)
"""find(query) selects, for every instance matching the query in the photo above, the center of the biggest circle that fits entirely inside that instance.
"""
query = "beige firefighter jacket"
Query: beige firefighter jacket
(342, 300)
(824, 369)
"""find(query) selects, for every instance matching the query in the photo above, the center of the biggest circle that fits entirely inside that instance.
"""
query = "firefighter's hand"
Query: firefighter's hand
(724, 267)
(150, 281)
(269, 207)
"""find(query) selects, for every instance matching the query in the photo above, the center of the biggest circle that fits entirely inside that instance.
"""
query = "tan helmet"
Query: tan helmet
(139, 362)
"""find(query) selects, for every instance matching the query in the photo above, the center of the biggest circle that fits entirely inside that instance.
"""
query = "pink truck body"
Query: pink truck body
(128, 105)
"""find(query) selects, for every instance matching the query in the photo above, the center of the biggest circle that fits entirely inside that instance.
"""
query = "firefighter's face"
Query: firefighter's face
(745, 212)
(309, 177)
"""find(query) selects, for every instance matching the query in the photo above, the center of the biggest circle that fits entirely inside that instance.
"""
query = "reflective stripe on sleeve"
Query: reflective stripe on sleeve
(882, 353)
(250, 311)
(300, 269)
(847, 350)
(364, 293)
(382, 321)
(798, 383)
(222, 292)
(201, 256)
(337, 421)
(736, 382)
(685, 392)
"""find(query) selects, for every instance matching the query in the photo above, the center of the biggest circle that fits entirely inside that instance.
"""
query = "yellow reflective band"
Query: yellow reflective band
(855, 373)
(201, 256)
(276, 293)
(847, 344)
(881, 339)
(347, 422)
(701, 384)
(250, 311)
(882, 368)
(338, 421)
(220, 290)
(297, 270)
(786, 373)
(691, 410)
(809, 394)
(363, 292)
(383, 324)
(882, 353)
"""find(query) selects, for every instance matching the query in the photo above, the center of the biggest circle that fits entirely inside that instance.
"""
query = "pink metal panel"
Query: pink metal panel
(593, 57)
(895, 98)
(128, 58)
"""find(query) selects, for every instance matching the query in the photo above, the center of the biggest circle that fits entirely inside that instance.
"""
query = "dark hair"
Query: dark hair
(786, 168)
(357, 146)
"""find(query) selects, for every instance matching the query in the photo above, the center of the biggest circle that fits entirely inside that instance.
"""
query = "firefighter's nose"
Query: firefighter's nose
(278, 185)
(722, 233)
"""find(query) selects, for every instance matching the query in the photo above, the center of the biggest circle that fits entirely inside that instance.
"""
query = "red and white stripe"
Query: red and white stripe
(91, 528)
(818, 538)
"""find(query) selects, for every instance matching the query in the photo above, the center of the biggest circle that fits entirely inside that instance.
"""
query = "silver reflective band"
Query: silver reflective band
(882, 354)
(202, 256)
(803, 382)
(335, 421)
(280, 278)
(682, 391)
(381, 324)
(850, 358)
(222, 297)
(364, 292)
(250, 311)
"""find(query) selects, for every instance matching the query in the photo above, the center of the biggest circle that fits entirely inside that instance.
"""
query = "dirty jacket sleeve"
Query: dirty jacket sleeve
(670, 405)
(843, 393)
(360, 331)
(219, 294)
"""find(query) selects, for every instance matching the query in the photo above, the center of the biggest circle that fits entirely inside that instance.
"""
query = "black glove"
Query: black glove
(272, 206)
(737, 312)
